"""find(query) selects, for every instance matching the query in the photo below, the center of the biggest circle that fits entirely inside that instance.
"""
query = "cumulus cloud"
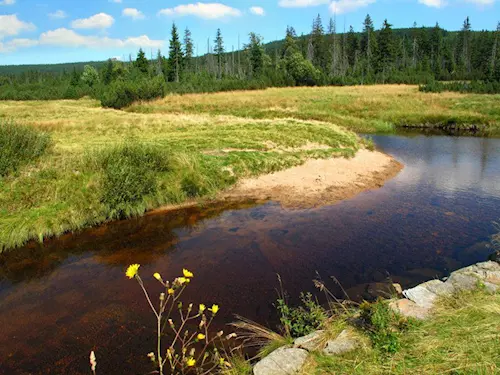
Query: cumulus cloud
(97, 21)
(346, 6)
(58, 15)
(433, 3)
(63, 37)
(208, 11)
(7, 2)
(301, 3)
(259, 11)
(133, 13)
(10, 25)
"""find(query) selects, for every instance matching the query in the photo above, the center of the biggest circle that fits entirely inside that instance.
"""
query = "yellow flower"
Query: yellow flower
(157, 276)
(202, 308)
(214, 309)
(200, 336)
(170, 291)
(187, 273)
(132, 270)
(181, 280)
(191, 362)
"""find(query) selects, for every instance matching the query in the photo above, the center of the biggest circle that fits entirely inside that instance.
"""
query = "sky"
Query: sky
(56, 31)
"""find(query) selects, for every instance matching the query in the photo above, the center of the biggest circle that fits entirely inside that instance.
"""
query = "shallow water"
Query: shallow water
(70, 296)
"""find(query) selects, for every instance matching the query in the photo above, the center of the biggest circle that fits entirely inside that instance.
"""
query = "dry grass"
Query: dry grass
(360, 108)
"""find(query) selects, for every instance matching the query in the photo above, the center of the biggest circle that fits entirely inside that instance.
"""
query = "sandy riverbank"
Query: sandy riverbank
(320, 181)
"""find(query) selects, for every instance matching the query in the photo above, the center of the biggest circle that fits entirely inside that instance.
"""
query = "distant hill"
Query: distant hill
(270, 48)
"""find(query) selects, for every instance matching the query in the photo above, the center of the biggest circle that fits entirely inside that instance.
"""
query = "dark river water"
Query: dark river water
(68, 296)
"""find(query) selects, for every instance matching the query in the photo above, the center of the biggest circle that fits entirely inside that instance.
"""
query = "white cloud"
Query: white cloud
(58, 15)
(10, 25)
(7, 2)
(346, 6)
(209, 11)
(69, 38)
(301, 3)
(433, 3)
(133, 13)
(115, 1)
(259, 11)
(97, 21)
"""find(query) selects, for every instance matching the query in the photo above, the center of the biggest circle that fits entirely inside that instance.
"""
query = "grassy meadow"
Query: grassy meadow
(107, 164)
(366, 109)
(101, 164)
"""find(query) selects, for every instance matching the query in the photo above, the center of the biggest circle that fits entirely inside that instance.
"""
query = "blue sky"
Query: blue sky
(52, 31)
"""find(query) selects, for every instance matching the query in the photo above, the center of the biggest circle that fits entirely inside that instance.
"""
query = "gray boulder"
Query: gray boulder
(468, 278)
(345, 342)
(422, 296)
(439, 288)
(409, 309)
(309, 342)
(283, 361)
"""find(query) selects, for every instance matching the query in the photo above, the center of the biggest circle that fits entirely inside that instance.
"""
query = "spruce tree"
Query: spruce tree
(141, 62)
(256, 54)
(319, 53)
(175, 57)
(368, 43)
(219, 52)
(352, 46)
(386, 48)
(188, 50)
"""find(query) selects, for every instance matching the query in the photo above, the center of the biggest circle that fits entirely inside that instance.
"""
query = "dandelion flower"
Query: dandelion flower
(187, 273)
(200, 336)
(191, 362)
(202, 308)
(214, 309)
(132, 270)
(157, 276)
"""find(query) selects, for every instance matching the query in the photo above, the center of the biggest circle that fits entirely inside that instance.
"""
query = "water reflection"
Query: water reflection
(69, 295)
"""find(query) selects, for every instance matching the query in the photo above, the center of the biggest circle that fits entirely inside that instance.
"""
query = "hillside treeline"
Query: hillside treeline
(418, 55)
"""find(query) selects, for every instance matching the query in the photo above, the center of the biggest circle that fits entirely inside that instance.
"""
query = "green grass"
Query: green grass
(105, 164)
(368, 109)
(462, 337)
(19, 145)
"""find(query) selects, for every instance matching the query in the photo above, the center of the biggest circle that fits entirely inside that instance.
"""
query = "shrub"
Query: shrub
(129, 174)
(121, 94)
(302, 320)
(383, 324)
(20, 145)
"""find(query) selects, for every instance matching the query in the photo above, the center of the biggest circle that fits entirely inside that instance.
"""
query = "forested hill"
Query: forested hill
(49, 68)
(271, 49)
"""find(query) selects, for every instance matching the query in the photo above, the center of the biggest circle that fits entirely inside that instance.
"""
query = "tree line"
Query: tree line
(417, 55)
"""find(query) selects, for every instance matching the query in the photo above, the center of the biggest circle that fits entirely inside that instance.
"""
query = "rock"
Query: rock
(438, 287)
(283, 361)
(469, 278)
(421, 296)
(397, 288)
(345, 342)
(409, 309)
(309, 342)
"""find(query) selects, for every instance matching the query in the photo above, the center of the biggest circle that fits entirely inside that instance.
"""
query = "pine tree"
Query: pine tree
(386, 48)
(219, 52)
(368, 43)
(319, 53)
(256, 54)
(290, 44)
(188, 50)
(141, 62)
(175, 57)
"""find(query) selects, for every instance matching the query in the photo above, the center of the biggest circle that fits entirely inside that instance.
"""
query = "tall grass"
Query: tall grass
(20, 145)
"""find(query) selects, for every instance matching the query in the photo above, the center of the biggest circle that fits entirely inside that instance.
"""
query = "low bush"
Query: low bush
(123, 93)
(384, 326)
(20, 145)
(301, 320)
(475, 87)
(130, 174)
